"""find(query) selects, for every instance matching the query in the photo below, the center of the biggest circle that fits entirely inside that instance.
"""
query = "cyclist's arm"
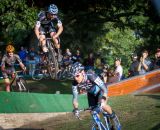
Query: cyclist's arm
(75, 96)
(3, 64)
(20, 62)
(36, 29)
(60, 28)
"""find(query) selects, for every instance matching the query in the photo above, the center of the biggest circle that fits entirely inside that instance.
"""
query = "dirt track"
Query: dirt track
(43, 121)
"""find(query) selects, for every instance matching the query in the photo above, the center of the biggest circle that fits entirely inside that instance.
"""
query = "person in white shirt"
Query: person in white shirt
(118, 68)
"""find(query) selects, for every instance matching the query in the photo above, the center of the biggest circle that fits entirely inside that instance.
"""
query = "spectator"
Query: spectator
(112, 76)
(31, 60)
(145, 63)
(104, 74)
(68, 52)
(134, 65)
(90, 62)
(118, 68)
(22, 54)
(157, 59)
(77, 57)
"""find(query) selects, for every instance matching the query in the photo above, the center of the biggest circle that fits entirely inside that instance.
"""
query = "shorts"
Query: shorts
(93, 100)
(8, 74)
(49, 29)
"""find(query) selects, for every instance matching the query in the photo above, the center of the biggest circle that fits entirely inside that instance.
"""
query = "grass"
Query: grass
(140, 112)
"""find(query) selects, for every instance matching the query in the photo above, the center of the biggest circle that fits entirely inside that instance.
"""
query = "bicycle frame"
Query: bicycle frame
(98, 123)
(52, 60)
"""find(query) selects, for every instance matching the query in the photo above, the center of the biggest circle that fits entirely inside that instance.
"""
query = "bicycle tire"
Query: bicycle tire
(95, 127)
(37, 74)
(21, 85)
(53, 66)
(61, 75)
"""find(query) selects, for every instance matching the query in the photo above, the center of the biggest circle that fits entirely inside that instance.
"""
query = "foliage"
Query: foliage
(16, 19)
(114, 28)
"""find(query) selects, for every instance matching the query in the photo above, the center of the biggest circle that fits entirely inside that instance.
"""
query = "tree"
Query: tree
(16, 20)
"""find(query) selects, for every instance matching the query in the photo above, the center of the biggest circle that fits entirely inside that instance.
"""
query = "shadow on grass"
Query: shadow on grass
(154, 96)
(157, 127)
(50, 86)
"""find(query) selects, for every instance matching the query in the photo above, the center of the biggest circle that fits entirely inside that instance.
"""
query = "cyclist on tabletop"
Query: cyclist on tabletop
(48, 21)
(7, 65)
(95, 88)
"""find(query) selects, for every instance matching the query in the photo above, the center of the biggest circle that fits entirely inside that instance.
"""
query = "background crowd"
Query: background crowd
(141, 64)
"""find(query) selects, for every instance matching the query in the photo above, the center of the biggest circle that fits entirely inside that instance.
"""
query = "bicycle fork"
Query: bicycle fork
(97, 125)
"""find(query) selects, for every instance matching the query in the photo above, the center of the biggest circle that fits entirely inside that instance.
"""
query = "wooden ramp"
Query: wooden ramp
(150, 82)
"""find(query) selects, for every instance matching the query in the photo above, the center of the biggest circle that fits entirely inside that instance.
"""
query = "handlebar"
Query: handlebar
(91, 109)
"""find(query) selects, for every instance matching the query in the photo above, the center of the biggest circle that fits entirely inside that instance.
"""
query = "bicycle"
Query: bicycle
(40, 72)
(98, 123)
(20, 83)
(64, 73)
(51, 57)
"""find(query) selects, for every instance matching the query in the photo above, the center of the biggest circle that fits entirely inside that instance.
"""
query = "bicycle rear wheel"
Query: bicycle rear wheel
(53, 66)
(21, 85)
(37, 74)
(61, 75)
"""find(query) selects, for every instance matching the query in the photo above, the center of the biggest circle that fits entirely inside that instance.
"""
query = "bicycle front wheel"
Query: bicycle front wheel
(37, 74)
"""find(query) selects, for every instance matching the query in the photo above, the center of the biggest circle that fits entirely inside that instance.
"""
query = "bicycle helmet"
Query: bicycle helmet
(53, 9)
(76, 68)
(10, 48)
(41, 15)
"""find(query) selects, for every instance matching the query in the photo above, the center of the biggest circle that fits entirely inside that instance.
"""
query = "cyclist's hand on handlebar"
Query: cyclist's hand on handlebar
(76, 112)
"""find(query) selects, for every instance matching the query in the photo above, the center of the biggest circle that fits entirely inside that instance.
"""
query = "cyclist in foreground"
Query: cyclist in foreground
(48, 21)
(7, 65)
(95, 88)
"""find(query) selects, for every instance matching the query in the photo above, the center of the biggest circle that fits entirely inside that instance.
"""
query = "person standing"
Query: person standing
(118, 68)
(145, 63)
(134, 65)
(22, 54)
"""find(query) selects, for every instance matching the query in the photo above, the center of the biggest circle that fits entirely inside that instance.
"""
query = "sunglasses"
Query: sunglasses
(10, 52)
(76, 76)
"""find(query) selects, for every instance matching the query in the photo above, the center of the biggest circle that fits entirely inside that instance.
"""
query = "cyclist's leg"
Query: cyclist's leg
(7, 84)
(107, 108)
(115, 121)
(43, 43)
(57, 45)
(6, 81)
(55, 40)
(42, 39)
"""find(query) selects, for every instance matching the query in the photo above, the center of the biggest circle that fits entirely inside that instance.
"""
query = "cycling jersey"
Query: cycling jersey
(48, 25)
(8, 63)
(92, 84)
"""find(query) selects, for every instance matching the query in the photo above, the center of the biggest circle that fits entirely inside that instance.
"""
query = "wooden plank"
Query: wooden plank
(133, 84)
